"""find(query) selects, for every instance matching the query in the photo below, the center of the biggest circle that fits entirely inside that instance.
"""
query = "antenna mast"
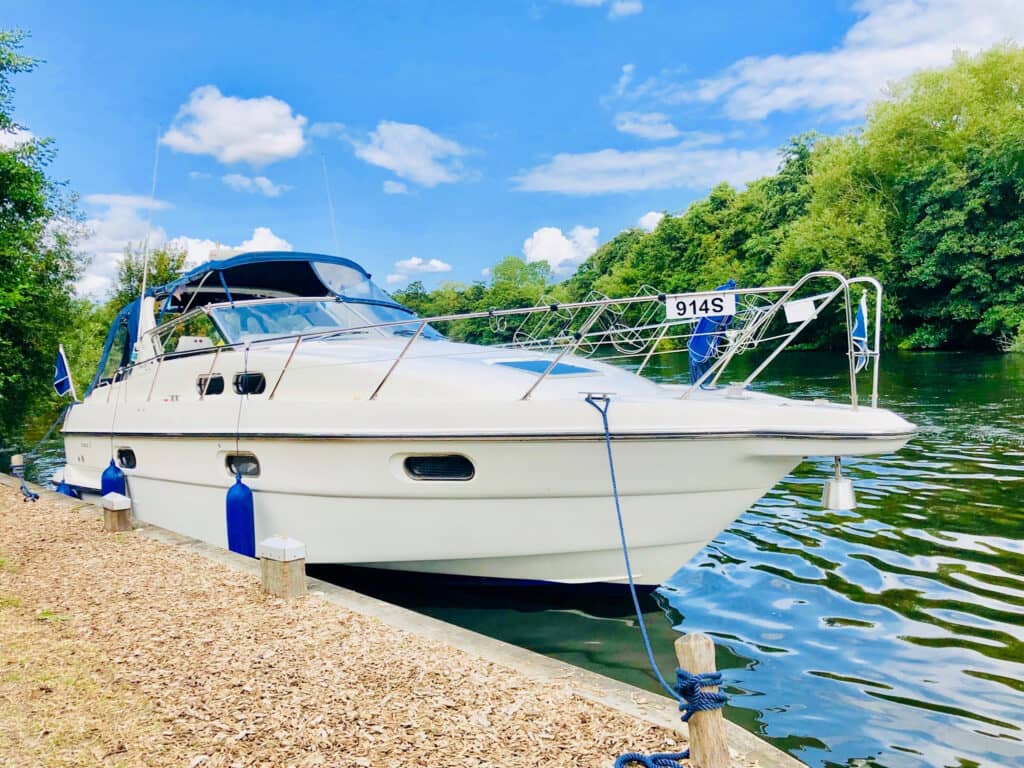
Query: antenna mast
(330, 206)
(149, 229)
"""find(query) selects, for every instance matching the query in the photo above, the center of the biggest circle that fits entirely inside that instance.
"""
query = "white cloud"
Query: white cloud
(15, 138)
(561, 252)
(198, 250)
(646, 125)
(674, 167)
(261, 184)
(625, 78)
(417, 264)
(485, 272)
(650, 220)
(620, 8)
(232, 129)
(414, 153)
(616, 8)
(326, 130)
(117, 222)
(394, 188)
(395, 278)
(198, 175)
(892, 39)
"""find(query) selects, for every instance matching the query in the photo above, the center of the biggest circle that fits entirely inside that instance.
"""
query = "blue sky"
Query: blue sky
(454, 133)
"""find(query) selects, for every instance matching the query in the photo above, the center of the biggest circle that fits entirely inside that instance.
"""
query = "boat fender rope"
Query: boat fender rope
(688, 689)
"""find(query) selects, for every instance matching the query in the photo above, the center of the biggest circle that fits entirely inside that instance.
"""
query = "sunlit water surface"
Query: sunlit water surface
(892, 635)
(888, 636)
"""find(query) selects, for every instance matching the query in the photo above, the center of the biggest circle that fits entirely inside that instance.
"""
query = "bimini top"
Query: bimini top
(258, 275)
(268, 274)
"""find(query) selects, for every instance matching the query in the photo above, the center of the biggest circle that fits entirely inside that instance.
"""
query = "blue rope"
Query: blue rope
(688, 689)
(19, 472)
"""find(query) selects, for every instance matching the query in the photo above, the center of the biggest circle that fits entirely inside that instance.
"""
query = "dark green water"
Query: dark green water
(888, 636)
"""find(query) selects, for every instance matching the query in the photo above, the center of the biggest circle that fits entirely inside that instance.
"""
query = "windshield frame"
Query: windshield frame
(382, 327)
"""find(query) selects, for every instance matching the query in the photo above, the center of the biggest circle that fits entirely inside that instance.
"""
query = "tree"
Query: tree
(37, 262)
(164, 265)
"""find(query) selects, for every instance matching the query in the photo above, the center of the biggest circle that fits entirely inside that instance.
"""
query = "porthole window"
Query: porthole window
(250, 383)
(244, 464)
(439, 467)
(126, 458)
(210, 385)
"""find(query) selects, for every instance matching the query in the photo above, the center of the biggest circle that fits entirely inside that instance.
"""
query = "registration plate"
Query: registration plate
(689, 306)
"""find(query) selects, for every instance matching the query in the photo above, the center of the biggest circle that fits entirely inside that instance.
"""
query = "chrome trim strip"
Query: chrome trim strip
(513, 437)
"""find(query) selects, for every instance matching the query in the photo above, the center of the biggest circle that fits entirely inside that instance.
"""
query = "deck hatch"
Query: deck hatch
(539, 366)
(440, 467)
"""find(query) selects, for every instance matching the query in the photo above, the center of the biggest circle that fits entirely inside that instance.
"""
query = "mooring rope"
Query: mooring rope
(19, 472)
(688, 689)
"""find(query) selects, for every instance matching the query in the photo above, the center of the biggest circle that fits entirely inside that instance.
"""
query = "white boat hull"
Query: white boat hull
(539, 507)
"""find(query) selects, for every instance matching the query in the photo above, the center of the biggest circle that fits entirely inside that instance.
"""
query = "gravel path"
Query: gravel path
(119, 650)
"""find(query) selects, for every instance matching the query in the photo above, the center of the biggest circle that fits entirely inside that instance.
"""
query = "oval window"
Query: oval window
(442, 467)
(126, 458)
(250, 383)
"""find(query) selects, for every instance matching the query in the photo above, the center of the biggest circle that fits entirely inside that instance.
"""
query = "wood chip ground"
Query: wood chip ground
(118, 650)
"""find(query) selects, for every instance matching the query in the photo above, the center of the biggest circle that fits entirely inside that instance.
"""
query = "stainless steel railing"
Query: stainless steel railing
(641, 340)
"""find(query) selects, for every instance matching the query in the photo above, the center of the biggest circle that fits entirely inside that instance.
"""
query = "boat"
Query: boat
(376, 440)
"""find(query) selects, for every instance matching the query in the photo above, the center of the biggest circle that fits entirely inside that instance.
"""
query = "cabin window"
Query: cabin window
(210, 385)
(117, 357)
(126, 458)
(250, 383)
(196, 334)
(440, 467)
(244, 464)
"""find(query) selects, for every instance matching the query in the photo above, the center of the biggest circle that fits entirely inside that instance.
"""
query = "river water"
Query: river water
(892, 635)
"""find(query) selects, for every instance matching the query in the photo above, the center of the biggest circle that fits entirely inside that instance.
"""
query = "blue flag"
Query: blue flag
(860, 336)
(62, 383)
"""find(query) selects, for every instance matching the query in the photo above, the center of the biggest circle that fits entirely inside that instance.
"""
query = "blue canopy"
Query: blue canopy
(247, 275)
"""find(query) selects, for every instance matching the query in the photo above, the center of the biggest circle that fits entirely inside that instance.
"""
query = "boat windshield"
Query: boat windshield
(247, 322)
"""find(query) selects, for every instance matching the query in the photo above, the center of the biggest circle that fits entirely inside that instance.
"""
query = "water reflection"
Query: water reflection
(888, 636)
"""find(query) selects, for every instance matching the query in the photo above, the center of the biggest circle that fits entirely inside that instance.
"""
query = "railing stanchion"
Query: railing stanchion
(295, 346)
(578, 337)
(398, 359)
(159, 362)
(209, 374)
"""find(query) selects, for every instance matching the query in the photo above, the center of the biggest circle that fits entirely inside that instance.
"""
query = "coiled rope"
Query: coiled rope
(688, 689)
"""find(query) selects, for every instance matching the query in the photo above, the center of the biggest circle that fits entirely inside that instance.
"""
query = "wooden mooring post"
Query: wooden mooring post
(117, 513)
(695, 653)
(282, 566)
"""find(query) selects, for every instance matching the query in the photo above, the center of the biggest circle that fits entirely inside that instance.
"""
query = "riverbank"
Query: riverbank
(147, 648)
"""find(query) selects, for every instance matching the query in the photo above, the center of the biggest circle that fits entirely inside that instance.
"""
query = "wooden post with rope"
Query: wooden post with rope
(695, 653)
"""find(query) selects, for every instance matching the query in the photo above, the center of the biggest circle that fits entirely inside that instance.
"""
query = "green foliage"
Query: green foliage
(164, 265)
(928, 197)
(37, 261)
